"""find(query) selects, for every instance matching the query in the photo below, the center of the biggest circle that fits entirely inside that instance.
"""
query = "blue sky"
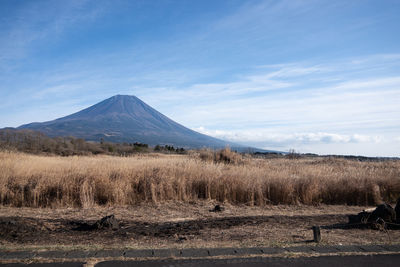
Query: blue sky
(314, 76)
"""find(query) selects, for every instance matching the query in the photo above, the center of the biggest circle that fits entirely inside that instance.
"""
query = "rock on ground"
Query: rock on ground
(383, 211)
(108, 222)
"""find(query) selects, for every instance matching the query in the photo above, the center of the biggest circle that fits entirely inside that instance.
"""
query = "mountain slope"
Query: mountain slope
(123, 118)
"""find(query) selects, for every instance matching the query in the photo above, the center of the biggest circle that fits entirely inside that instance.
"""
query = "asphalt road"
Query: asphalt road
(328, 261)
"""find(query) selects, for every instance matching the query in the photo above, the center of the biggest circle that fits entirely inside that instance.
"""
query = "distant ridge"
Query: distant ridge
(124, 118)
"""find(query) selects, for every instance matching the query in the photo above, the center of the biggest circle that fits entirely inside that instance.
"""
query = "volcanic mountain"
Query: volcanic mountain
(124, 118)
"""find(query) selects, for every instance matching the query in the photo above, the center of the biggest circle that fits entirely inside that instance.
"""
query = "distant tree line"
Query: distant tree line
(293, 154)
(169, 149)
(35, 142)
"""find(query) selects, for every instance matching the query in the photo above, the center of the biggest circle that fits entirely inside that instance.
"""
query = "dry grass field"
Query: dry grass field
(86, 181)
(165, 200)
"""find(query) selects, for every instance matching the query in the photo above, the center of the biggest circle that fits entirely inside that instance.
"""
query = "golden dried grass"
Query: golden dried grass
(85, 181)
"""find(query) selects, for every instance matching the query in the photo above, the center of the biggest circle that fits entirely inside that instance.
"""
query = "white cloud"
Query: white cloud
(262, 135)
(292, 70)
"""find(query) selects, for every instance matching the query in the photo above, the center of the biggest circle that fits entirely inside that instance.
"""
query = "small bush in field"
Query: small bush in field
(206, 155)
(227, 156)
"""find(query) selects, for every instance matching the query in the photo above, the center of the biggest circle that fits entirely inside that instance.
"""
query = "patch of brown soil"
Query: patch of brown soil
(184, 225)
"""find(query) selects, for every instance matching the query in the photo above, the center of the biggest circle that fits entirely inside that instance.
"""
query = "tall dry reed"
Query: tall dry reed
(84, 181)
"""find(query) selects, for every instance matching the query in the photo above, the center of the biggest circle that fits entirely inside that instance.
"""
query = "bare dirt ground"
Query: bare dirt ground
(181, 225)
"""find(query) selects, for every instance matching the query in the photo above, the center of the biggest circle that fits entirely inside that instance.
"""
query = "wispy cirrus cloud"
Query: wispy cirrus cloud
(337, 103)
(294, 100)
